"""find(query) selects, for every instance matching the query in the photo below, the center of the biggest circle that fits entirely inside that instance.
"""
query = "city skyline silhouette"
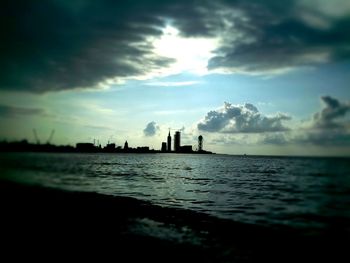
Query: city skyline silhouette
(96, 147)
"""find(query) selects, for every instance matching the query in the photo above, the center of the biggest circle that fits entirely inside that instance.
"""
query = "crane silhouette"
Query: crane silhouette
(50, 137)
(36, 137)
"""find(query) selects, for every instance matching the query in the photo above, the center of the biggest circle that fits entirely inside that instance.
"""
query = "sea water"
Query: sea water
(294, 191)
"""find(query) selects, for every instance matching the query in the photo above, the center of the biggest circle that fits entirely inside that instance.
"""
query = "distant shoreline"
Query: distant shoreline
(24, 146)
(195, 153)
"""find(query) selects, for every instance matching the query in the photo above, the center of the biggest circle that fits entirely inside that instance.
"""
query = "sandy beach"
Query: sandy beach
(36, 220)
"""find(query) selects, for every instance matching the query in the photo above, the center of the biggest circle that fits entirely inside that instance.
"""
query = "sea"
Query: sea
(300, 192)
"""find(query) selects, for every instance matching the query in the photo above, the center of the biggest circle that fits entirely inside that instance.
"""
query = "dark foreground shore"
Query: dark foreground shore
(42, 223)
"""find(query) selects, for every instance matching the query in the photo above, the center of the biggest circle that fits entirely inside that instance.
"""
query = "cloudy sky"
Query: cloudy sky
(254, 77)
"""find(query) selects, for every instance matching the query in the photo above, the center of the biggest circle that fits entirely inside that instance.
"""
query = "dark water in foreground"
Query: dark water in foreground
(299, 192)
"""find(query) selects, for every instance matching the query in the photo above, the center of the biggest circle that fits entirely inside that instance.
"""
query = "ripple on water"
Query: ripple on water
(253, 190)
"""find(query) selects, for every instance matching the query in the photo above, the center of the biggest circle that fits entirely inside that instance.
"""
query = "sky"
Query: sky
(252, 77)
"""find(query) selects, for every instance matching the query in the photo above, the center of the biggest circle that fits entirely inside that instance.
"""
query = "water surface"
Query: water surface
(299, 192)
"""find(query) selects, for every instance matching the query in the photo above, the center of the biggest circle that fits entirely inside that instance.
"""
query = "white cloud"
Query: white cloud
(241, 119)
(191, 54)
(244, 125)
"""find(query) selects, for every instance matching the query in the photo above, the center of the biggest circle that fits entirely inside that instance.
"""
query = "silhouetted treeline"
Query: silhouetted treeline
(25, 146)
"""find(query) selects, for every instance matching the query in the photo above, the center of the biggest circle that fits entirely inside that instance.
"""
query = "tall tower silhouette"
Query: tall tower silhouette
(177, 142)
(169, 142)
(126, 145)
(163, 149)
(200, 143)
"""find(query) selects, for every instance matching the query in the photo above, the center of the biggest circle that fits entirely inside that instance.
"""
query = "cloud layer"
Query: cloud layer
(12, 111)
(57, 45)
(241, 119)
(274, 36)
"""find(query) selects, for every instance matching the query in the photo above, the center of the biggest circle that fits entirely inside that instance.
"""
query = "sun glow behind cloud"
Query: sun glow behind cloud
(191, 54)
(172, 84)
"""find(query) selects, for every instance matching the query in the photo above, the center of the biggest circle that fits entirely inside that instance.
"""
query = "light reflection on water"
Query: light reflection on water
(264, 190)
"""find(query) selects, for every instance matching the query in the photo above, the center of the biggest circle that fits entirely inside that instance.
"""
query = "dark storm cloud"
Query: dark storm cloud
(241, 119)
(259, 36)
(330, 126)
(151, 129)
(331, 116)
(277, 35)
(11, 111)
(53, 45)
(56, 45)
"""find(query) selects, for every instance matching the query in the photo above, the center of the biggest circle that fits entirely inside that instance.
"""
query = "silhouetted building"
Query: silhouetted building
(126, 145)
(186, 149)
(110, 147)
(200, 143)
(163, 147)
(169, 143)
(85, 147)
(142, 149)
(177, 142)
